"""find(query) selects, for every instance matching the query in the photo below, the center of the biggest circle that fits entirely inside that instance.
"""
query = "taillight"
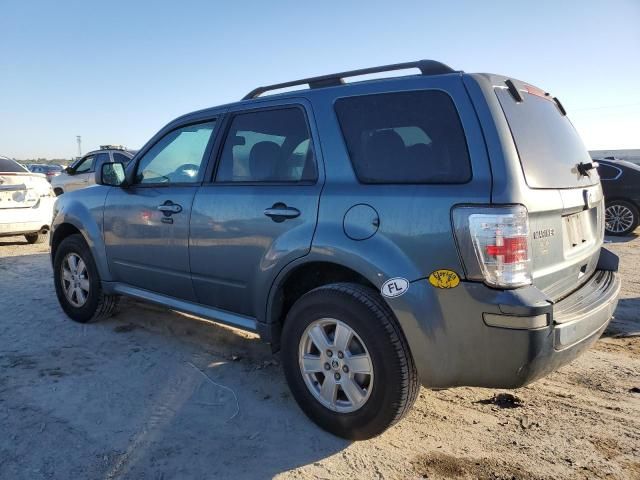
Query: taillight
(494, 244)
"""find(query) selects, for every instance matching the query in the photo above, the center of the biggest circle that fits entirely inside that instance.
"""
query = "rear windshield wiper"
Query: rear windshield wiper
(584, 167)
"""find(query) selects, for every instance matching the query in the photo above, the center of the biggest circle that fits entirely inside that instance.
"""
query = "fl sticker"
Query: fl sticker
(444, 279)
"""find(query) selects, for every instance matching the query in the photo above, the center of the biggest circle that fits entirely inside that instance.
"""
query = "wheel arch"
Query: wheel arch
(296, 280)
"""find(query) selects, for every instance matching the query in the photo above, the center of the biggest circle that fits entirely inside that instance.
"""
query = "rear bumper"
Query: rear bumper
(467, 345)
(16, 221)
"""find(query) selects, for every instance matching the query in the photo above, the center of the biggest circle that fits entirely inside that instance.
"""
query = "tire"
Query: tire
(621, 217)
(393, 380)
(58, 191)
(35, 237)
(97, 304)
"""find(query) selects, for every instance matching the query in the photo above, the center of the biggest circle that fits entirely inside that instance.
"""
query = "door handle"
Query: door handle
(279, 212)
(169, 208)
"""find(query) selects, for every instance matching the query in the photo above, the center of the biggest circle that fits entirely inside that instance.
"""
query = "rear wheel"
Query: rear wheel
(77, 282)
(347, 362)
(58, 191)
(35, 237)
(621, 217)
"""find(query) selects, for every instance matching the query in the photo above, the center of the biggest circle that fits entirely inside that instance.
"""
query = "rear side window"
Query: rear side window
(548, 145)
(608, 172)
(268, 146)
(405, 137)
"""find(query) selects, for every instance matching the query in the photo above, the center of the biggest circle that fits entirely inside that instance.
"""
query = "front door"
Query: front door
(260, 211)
(146, 225)
(81, 173)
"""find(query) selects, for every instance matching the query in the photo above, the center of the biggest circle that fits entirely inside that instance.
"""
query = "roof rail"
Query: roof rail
(426, 67)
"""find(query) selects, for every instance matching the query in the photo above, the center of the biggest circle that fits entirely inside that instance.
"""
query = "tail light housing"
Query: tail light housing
(494, 244)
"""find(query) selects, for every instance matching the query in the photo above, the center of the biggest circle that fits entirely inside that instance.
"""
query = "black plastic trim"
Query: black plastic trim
(426, 67)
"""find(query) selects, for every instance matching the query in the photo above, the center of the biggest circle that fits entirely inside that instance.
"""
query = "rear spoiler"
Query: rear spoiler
(517, 96)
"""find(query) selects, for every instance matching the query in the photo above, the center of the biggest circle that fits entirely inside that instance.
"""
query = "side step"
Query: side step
(221, 316)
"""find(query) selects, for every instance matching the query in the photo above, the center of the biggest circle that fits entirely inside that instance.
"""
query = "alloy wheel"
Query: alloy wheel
(618, 218)
(75, 280)
(336, 365)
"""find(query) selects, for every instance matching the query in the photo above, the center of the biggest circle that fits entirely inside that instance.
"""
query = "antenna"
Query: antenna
(79, 140)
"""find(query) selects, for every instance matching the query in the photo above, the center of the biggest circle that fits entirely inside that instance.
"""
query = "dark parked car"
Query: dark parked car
(442, 229)
(48, 171)
(621, 186)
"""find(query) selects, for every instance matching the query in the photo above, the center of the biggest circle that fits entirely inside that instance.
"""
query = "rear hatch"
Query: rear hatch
(562, 194)
(22, 190)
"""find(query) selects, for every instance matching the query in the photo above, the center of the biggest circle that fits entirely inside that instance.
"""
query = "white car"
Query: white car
(26, 202)
(81, 174)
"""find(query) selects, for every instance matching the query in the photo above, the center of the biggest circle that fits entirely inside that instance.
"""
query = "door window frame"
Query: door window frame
(210, 179)
(206, 156)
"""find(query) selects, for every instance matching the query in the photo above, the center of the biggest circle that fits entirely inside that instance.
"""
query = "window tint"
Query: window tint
(268, 146)
(177, 157)
(607, 172)
(548, 145)
(119, 157)
(406, 137)
(9, 166)
(86, 165)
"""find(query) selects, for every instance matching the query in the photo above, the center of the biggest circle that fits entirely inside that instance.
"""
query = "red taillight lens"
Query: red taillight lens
(512, 250)
(494, 244)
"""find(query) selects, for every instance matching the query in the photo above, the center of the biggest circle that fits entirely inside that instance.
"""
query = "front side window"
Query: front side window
(178, 157)
(86, 165)
(119, 157)
(405, 137)
(268, 146)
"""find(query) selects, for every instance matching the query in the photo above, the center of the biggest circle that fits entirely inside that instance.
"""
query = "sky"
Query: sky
(117, 71)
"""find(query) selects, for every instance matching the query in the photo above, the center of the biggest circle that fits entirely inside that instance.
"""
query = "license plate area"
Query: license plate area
(579, 230)
(15, 199)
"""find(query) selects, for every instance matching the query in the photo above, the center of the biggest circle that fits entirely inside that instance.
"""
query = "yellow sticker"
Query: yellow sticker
(444, 279)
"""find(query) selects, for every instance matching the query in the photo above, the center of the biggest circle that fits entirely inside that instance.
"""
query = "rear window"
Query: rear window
(405, 137)
(548, 145)
(9, 166)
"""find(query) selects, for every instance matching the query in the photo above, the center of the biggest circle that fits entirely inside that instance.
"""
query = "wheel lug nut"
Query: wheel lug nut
(340, 355)
(327, 366)
(345, 369)
(337, 376)
(329, 353)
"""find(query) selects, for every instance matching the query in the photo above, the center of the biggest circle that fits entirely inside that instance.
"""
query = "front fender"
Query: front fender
(83, 209)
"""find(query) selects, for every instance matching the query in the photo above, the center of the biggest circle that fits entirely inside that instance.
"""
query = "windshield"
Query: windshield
(548, 145)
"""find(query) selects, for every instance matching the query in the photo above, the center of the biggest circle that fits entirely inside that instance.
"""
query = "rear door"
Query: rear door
(261, 208)
(146, 225)
(562, 193)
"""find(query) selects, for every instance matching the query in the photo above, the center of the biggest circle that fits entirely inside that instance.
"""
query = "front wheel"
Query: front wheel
(347, 362)
(77, 282)
(621, 218)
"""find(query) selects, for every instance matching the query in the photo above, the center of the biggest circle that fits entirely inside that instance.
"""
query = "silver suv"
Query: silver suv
(440, 229)
(81, 173)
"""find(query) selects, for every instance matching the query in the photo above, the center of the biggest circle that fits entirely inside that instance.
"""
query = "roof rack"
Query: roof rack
(112, 147)
(426, 67)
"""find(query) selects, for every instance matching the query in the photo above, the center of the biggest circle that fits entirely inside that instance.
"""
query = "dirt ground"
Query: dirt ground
(152, 394)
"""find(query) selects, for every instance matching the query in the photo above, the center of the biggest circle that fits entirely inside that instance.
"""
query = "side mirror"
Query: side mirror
(69, 170)
(111, 174)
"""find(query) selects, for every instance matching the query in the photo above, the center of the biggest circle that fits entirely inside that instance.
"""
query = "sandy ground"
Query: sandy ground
(152, 394)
